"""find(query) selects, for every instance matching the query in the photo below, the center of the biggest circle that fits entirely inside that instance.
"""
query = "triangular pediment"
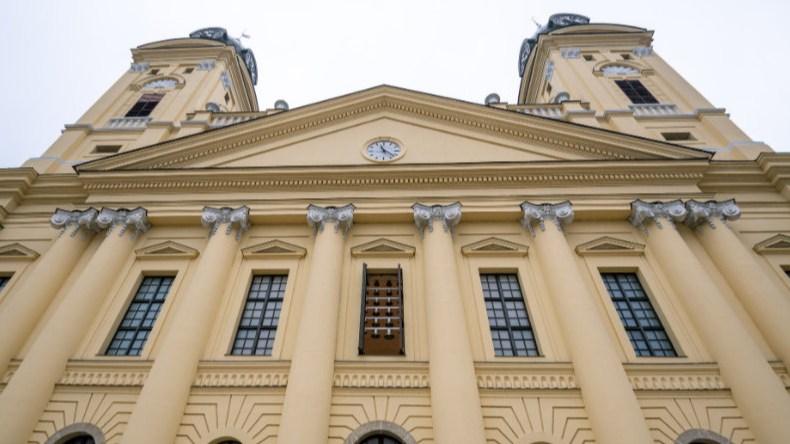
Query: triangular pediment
(167, 250)
(17, 251)
(494, 246)
(432, 130)
(776, 244)
(383, 247)
(610, 245)
(274, 248)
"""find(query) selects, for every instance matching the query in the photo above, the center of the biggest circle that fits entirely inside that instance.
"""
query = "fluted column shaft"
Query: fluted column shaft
(27, 394)
(766, 304)
(755, 387)
(455, 400)
(160, 406)
(610, 402)
(28, 302)
(308, 397)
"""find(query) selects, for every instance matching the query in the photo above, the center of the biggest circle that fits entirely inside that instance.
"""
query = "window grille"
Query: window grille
(381, 314)
(636, 92)
(639, 319)
(139, 319)
(258, 324)
(511, 329)
(145, 105)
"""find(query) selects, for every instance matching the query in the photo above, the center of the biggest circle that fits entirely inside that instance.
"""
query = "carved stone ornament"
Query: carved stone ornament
(226, 80)
(699, 212)
(448, 215)
(570, 53)
(206, 65)
(561, 214)
(140, 67)
(645, 51)
(214, 217)
(643, 212)
(160, 84)
(549, 70)
(317, 217)
(618, 70)
(136, 219)
(86, 220)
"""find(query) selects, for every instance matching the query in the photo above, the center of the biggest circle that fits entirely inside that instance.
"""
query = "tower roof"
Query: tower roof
(221, 35)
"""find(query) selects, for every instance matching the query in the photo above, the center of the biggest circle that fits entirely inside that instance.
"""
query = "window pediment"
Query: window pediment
(383, 247)
(274, 248)
(17, 251)
(167, 250)
(776, 244)
(610, 245)
(494, 246)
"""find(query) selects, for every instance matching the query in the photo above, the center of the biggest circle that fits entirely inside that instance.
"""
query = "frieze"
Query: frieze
(561, 214)
(645, 51)
(79, 219)
(704, 212)
(412, 375)
(317, 217)
(240, 379)
(206, 65)
(214, 217)
(448, 215)
(140, 67)
(136, 219)
(644, 212)
(570, 53)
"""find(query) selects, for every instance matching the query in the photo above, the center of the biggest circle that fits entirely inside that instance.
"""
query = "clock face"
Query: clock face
(383, 150)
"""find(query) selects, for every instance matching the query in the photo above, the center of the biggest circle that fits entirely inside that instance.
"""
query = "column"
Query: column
(27, 394)
(615, 414)
(308, 397)
(755, 387)
(766, 304)
(157, 414)
(28, 302)
(455, 401)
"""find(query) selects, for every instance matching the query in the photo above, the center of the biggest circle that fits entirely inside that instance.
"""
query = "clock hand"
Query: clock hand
(387, 150)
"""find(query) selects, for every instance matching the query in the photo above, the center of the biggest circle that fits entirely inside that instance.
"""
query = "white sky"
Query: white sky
(61, 56)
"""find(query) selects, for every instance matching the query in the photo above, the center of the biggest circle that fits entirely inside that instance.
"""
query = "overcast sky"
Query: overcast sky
(61, 56)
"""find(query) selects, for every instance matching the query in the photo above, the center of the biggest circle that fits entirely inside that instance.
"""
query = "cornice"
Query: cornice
(739, 176)
(400, 176)
(556, 135)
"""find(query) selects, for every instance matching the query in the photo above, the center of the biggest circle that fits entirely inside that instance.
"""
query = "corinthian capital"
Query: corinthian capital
(699, 212)
(561, 214)
(317, 217)
(136, 219)
(448, 215)
(214, 217)
(86, 219)
(643, 212)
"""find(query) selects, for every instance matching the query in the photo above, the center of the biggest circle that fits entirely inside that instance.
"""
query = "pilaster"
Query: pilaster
(28, 302)
(455, 401)
(27, 394)
(756, 389)
(154, 421)
(599, 372)
(308, 397)
(766, 304)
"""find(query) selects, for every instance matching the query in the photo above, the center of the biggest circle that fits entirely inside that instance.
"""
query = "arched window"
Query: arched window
(701, 436)
(230, 441)
(380, 439)
(84, 439)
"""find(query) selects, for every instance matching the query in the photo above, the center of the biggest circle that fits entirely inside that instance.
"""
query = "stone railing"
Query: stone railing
(552, 111)
(654, 109)
(225, 119)
(128, 123)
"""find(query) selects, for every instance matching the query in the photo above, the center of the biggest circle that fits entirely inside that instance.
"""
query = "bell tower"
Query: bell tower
(609, 76)
(157, 98)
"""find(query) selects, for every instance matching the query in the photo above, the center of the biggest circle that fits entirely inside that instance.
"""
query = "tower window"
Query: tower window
(154, 72)
(589, 57)
(635, 91)
(139, 319)
(258, 324)
(626, 56)
(678, 137)
(188, 70)
(107, 149)
(511, 330)
(381, 317)
(145, 105)
(640, 320)
(3, 281)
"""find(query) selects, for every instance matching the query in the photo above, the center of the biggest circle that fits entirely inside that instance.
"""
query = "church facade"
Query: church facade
(604, 261)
